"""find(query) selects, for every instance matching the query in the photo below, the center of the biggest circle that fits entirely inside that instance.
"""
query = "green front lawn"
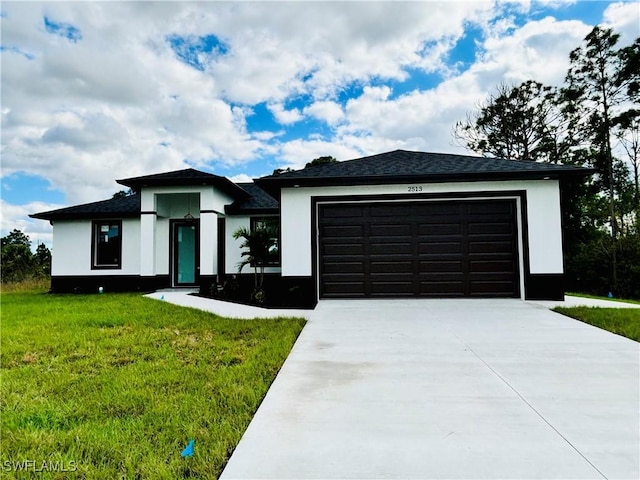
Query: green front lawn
(114, 386)
(623, 321)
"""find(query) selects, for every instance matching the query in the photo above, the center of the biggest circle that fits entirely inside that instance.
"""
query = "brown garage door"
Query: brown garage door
(432, 249)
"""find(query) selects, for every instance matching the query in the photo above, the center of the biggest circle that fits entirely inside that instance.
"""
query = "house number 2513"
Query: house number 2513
(414, 188)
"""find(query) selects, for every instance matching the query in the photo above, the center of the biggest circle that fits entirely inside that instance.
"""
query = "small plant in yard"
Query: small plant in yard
(260, 248)
(115, 386)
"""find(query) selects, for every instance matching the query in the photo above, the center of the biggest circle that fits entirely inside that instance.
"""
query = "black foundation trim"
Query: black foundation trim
(545, 286)
(109, 283)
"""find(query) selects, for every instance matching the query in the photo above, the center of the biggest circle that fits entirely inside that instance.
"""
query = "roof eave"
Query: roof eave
(272, 185)
(222, 183)
(83, 216)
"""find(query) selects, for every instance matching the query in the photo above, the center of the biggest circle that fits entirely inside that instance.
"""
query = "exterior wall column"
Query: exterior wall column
(208, 243)
(147, 235)
(208, 234)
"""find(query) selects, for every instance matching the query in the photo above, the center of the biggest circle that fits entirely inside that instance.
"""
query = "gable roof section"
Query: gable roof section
(119, 207)
(186, 177)
(256, 201)
(260, 202)
(402, 166)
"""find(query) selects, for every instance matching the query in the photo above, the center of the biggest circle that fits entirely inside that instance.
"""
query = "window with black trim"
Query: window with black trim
(271, 226)
(106, 251)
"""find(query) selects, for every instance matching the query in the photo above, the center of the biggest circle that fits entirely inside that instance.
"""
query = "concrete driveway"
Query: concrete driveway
(447, 389)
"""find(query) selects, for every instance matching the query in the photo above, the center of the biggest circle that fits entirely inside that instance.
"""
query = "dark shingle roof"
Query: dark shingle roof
(255, 200)
(259, 202)
(119, 207)
(184, 177)
(402, 166)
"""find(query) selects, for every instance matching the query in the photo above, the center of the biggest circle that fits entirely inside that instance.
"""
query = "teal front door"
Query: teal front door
(185, 261)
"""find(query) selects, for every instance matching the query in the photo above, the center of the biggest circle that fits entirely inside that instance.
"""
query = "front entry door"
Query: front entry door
(185, 263)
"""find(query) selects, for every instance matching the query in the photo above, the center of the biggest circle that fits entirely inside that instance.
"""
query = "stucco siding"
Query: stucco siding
(162, 246)
(72, 249)
(545, 227)
(543, 217)
(232, 246)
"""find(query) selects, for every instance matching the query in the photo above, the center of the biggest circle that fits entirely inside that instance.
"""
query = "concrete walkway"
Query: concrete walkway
(570, 301)
(477, 389)
(224, 309)
(184, 298)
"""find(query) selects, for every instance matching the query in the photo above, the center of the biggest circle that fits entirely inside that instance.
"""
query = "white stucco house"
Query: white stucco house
(397, 224)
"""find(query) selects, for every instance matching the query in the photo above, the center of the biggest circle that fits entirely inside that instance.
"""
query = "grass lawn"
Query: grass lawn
(116, 385)
(623, 321)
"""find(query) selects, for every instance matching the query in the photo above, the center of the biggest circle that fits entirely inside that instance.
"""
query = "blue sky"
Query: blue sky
(93, 92)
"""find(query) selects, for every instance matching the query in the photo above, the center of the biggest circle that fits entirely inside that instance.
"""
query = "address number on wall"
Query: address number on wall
(414, 188)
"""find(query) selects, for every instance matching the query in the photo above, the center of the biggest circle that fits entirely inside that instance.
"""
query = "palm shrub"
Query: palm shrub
(259, 248)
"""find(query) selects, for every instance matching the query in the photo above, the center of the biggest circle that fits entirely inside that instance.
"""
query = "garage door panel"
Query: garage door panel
(440, 288)
(394, 266)
(343, 267)
(340, 231)
(439, 265)
(388, 242)
(383, 287)
(491, 266)
(431, 229)
(437, 209)
(490, 239)
(391, 248)
(433, 248)
(344, 289)
(343, 249)
(490, 207)
(490, 228)
(399, 229)
(492, 247)
(440, 248)
(342, 211)
(388, 210)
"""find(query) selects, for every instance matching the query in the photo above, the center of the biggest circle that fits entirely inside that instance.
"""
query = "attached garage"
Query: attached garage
(462, 248)
(408, 224)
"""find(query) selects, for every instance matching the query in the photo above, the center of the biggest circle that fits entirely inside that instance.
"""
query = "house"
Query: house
(397, 224)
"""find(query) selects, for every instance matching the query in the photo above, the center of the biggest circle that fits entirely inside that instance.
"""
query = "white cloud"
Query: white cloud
(624, 18)
(539, 50)
(327, 111)
(17, 216)
(284, 117)
(241, 178)
(423, 119)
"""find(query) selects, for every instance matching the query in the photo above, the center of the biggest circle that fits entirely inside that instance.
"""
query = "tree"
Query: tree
(18, 263)
(321, 161)
(519, 122)
(599, 84)
(16, 257)
(42, 260)
(278, 171)
(123, 193)
(628, 135)
(526, 122)
(259, 249)
(16, 237)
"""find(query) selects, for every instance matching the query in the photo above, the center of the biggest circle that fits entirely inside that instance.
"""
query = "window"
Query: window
(106, 251)
(271, 226)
